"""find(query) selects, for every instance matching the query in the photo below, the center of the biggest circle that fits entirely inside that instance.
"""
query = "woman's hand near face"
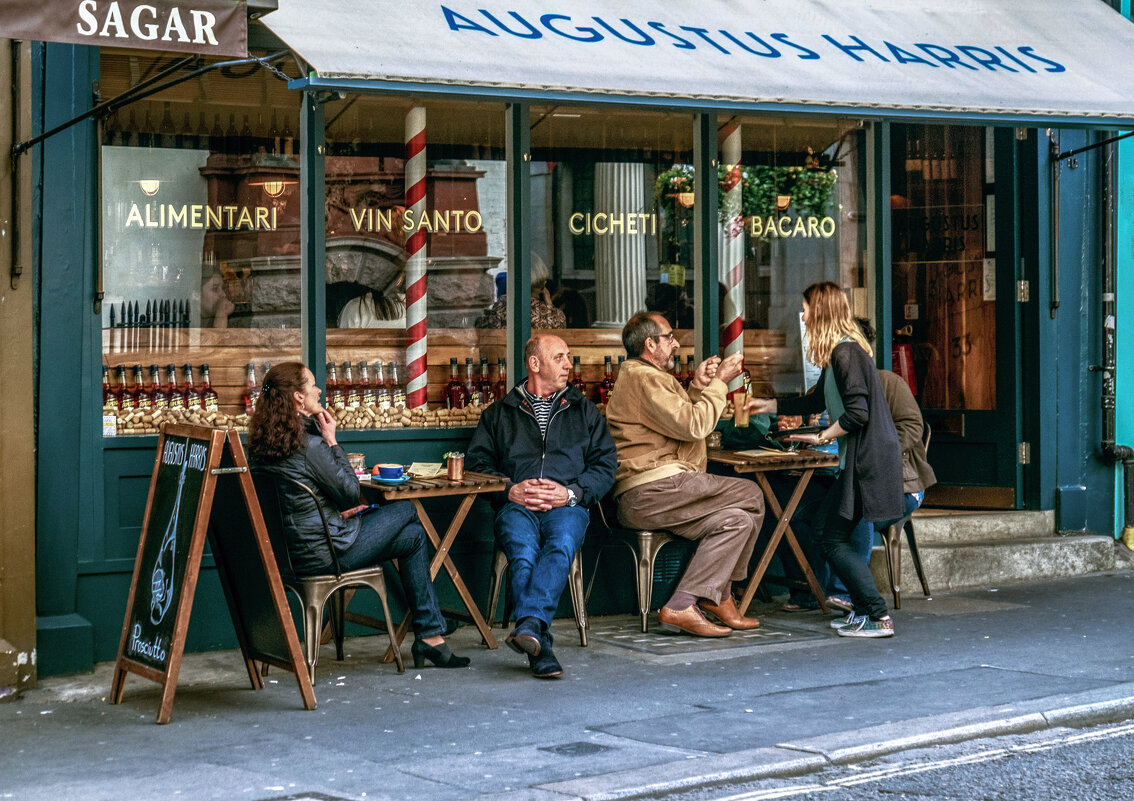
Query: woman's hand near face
(327, 425)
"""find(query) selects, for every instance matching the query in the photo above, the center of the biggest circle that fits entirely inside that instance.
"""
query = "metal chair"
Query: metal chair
(574, 586)
(644, 545)
(892, 542)
(314, 591)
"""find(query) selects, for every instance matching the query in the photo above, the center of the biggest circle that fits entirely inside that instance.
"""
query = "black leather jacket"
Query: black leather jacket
(324, 469)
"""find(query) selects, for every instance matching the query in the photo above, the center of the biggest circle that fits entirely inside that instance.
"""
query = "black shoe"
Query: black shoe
(545, 666)
(526, 638)
(440, 655)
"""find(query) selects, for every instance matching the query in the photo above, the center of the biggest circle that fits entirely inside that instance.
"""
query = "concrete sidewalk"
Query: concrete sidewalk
(634, 715)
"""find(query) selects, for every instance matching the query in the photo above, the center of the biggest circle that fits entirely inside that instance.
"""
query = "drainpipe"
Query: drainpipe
(1111, 451)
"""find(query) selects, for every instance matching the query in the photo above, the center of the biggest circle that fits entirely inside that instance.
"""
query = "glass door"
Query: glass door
(953, 321)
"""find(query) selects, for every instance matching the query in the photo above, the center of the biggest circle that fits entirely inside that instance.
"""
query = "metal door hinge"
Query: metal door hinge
(1023, 291)
(1021, 134)
(1023, 453)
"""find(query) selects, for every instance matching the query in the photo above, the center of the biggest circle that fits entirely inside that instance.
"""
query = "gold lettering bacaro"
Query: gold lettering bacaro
(198, 215)
(447, 221)
(613, 223)
(786, 227)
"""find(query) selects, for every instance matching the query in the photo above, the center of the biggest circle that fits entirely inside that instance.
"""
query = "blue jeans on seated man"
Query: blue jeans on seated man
(540, 547)
(862, 541)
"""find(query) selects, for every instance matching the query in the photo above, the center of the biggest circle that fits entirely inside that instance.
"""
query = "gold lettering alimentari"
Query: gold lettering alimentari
(607, 223)
(199, 215)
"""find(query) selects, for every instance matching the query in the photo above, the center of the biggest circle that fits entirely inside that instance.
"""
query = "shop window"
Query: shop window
(944, 281)
(791, 195)
(200, 244)
(608, 237)
(416, 242)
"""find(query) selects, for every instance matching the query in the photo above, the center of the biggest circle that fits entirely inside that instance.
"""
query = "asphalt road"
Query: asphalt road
(1056, 765)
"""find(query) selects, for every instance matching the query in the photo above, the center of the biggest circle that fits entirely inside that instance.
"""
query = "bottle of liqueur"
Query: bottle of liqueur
(142, 397)
(158, 395)
(577, 376)
(383, 393)
(124, 393)
(366, 392)
(472, 387)
(176, 396)
(687, 379)
(209, 397)
(192, 396)
(397, 391)
(336, 397)
(607, 383)
(352, 395)
(454, 392)
(251, 390)
(501, 387)
(109, 405)
(485, 383)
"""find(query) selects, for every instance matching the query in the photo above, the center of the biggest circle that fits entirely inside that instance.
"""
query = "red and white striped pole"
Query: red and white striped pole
(732, 252)
(416, 372)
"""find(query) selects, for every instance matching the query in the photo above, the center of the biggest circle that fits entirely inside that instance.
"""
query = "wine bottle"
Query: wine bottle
(397, 391)
(472, 388)
(501, 388)
(336, 397)
(124, 393)
(383, 394)
(176, 396)
(352, 397)
(192, 396)
(158, 394)
(251, 391)
(577, 376)
(485, 385)
(208, 395)
(142, 397)
(454, 392)
(607, 383)
(366, 392)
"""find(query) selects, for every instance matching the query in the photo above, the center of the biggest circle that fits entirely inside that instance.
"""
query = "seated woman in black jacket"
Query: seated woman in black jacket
(290, 433)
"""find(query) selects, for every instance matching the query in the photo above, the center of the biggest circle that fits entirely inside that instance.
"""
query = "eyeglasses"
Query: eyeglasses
(667, 335)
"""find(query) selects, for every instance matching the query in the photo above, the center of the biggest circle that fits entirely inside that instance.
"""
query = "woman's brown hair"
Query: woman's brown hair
(829, 322)
(276, 430)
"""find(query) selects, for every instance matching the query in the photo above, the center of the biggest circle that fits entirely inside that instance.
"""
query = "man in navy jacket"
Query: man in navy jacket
(554, 447)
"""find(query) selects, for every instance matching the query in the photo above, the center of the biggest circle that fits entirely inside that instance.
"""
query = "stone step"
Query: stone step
(935, 526)
(991, 563)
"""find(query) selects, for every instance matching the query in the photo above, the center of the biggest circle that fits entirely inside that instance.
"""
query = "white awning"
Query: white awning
(1038, 62)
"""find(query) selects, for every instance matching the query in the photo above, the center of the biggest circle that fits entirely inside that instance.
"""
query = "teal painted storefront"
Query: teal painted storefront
(92, 491)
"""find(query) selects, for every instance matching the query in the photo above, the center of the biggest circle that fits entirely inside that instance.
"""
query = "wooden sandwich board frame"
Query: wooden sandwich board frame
(201, 461)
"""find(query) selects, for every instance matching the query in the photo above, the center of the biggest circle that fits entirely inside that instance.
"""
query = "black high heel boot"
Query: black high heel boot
(440, 655)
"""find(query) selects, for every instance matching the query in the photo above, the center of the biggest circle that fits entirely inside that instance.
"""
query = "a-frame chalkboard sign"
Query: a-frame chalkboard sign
(201, 488)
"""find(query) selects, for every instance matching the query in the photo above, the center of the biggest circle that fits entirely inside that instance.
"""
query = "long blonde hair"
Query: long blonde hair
(829, 322)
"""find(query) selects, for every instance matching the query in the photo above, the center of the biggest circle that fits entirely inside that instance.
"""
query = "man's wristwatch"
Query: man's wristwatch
(571, 499)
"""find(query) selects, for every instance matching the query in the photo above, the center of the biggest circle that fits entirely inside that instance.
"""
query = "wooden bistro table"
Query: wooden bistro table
(803, 463)
(417, 489)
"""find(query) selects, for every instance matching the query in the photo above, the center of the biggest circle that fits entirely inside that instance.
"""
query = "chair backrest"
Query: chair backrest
(926, 433)
(268, 486)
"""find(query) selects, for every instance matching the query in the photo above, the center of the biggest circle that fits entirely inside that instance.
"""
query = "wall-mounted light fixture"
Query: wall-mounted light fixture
(150, 186)
(273, 186)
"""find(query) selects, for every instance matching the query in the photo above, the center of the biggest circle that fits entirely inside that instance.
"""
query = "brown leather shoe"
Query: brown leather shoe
(690, 621)
(726, 612)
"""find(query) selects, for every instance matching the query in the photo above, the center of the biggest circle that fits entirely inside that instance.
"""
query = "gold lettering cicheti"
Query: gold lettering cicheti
(613, 223)
(198, 215)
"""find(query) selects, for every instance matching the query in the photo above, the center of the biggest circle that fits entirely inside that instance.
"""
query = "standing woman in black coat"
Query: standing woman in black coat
(292, 435)
(869, 485)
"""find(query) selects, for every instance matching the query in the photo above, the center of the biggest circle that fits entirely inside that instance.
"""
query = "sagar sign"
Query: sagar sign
(208, 27)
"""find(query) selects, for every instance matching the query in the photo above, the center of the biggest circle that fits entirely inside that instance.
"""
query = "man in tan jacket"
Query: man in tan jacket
(660, 430)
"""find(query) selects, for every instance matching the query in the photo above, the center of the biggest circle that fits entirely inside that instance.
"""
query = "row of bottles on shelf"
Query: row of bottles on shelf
(478, 390)
(933, 163)
(385, 391)
(603, 388)
(267, 139)
(158, 395)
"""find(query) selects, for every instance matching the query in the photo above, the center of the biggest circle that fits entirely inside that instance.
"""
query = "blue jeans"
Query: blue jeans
(862, 541)
(540, 547)
(394, 532)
